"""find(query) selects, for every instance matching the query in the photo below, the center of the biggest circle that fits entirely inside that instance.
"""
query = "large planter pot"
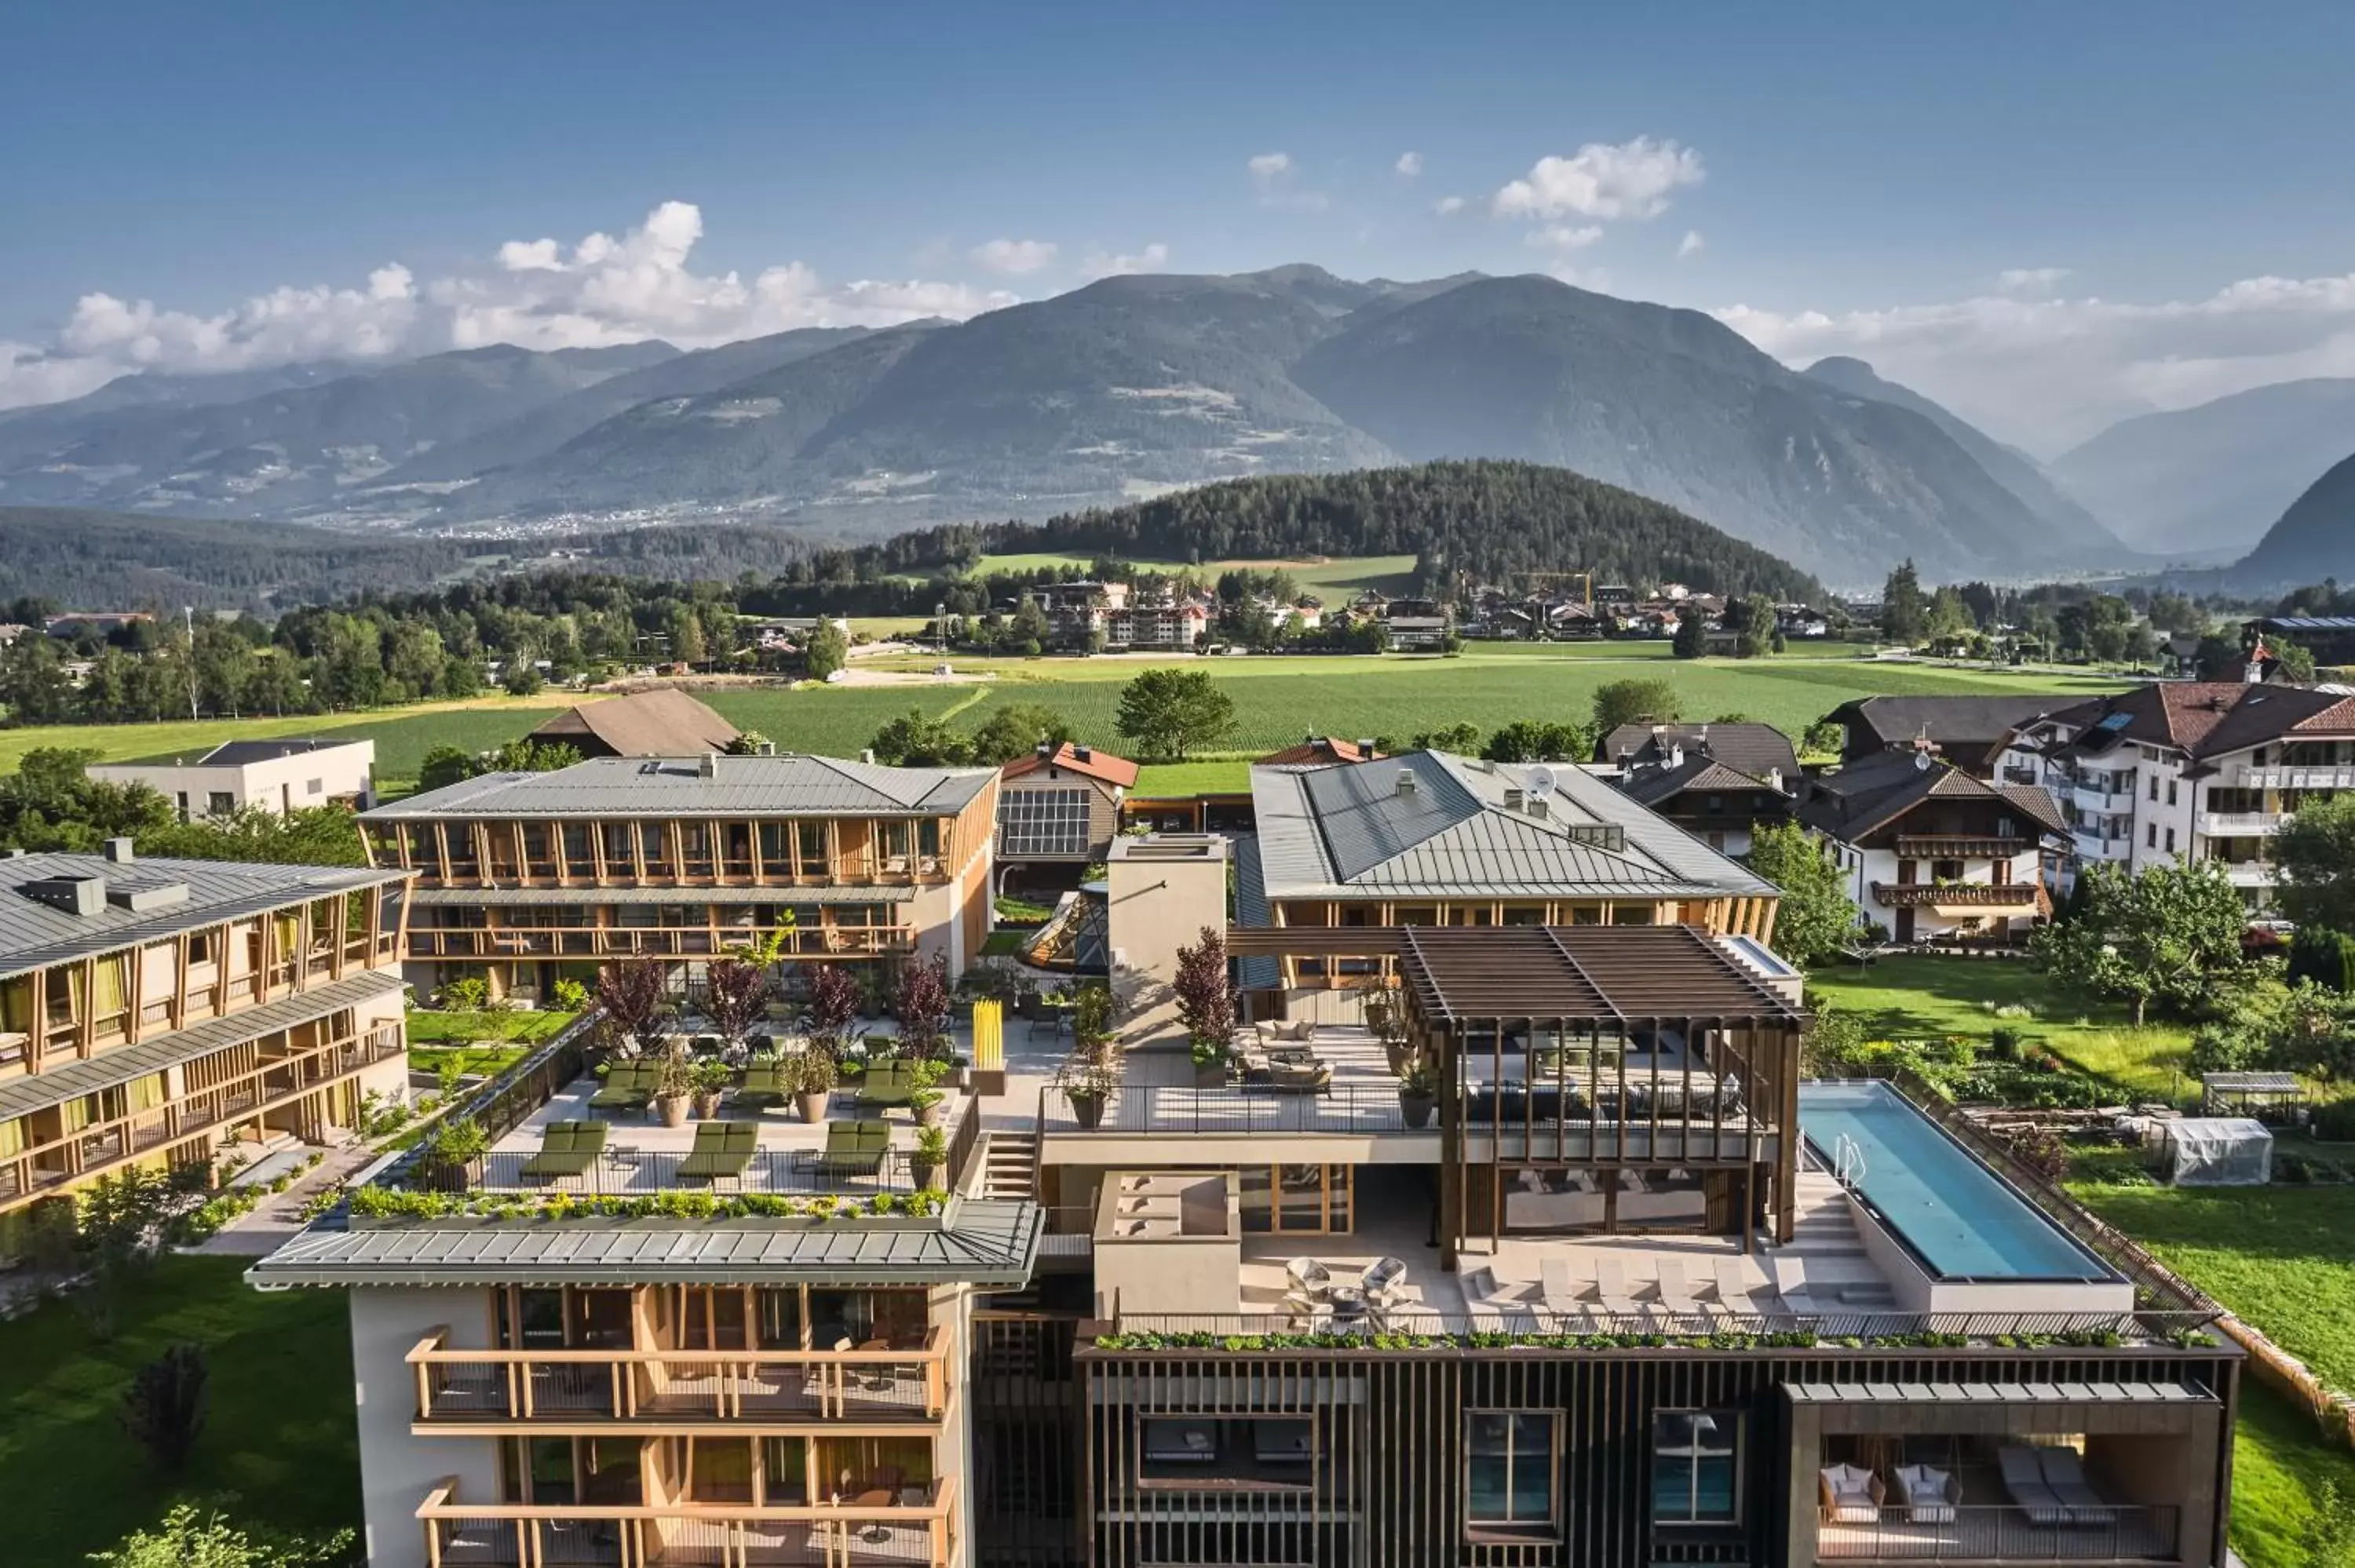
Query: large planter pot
(1415, 1109)
(706, 1106)
(1399, 1056)
(1211, 1075)
(1087, 1110)
(811, 1104)
(672, 1109)
(927, 1175)
(928, 1116)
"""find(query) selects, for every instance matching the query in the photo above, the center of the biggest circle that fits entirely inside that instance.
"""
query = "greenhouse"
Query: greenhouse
(2219, 1151)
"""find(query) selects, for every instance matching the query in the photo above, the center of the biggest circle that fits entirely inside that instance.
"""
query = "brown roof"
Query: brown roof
(663, 722)
(1744, 745)
(1088, 762)
(1875, 790)
(1318, 751)
(2207, 718)
(1594, 973)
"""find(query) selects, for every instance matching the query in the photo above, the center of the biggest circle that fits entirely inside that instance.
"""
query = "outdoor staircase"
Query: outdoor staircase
(1825, 1259)
(1008, 1160)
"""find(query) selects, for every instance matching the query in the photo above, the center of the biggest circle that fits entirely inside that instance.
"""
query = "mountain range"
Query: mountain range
(1116, 391)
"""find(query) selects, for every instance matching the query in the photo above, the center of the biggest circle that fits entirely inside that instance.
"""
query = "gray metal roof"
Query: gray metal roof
(975, 1241)
(787, 785)
(591, 898)
(123, 1063)
(33, 935)
(1256, 971)
(1997, 1394)
(1359, 832)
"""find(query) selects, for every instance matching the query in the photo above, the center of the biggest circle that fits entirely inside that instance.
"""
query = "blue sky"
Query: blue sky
(1858, 178)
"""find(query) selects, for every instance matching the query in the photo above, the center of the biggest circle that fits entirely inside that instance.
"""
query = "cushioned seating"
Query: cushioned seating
(570, 1149)
(721, 1149)
(763, 1086)
(628, 1086)
(2065, 1473)
(1851, 1494)
(1930, 1495)
(1299, 1077)
(852, 1149)
(886, 1083)
(2023, 1480)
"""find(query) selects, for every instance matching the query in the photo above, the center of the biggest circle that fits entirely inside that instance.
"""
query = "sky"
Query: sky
(2047, 217)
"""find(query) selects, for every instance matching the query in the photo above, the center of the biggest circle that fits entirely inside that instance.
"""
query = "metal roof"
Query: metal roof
(591, 898)
(1578, 973)
(974, 1240)
(787, 785)
(237, 753)
(1429, 824)
(33, 935)
(1253, 971)
(2005, 1393)
(120, 1063)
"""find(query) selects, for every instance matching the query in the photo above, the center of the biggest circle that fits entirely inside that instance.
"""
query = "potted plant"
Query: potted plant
(1206, 1005)
(1385, 1017)
(709, 1079)
(925, 1099)
(1209, 1065)
(1092, 1013)
(1418, 1095)
(1087, 1083)
(931, 1154)
(814, 1076)
(451, 1155)
(674, 1087)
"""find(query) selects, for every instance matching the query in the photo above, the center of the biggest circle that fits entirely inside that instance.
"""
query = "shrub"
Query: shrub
(466, 995)
(164, 1408)
(570, 995)
(2003, 1043)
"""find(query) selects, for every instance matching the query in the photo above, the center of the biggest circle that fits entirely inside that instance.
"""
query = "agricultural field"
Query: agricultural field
(1335, 580)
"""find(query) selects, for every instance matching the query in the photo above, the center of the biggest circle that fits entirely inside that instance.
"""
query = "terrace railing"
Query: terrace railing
(623, 1171)
(916, 1527)
(1239, 1110)
(1981, 1533)
(1503, 1326)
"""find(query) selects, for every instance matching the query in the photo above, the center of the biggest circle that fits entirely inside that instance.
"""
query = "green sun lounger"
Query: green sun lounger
(852, 1149)
(886, 1083)
(721, 1149)
(763, 1086)
(628, 1086)
(571, 1149)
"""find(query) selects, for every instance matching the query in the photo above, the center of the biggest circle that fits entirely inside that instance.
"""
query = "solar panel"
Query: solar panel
(1043, 823)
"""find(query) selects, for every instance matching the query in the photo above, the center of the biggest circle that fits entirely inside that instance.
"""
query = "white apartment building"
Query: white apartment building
(274, 775)
(2188, 771)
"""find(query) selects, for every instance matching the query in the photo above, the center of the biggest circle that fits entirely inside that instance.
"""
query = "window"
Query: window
(2170, 841)
(315, 787)
(2154, 786)
(1044, 822)
(1508, 1469)
(220, 803)
(2170, 791)
(2150, 836)
(1695, 1467)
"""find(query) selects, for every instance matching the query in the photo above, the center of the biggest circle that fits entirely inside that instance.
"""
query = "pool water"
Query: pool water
(1958, 1216)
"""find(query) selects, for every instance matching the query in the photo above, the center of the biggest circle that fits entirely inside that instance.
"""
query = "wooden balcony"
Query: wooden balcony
(1959, 846)
(595, 1389)
(99, 1148)
(915, 1526)
(1970, 894)
(512, 943)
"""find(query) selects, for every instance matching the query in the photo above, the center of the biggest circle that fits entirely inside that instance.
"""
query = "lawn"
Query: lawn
(2279, 1466)
(432, 1026)
(1928, 996)
(279, 1432)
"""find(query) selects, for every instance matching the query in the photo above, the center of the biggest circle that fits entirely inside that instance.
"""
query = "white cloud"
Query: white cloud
(1447, 207)
(1275, 176)
(1106, 264)
(1270, 166)
(539, 293)
(1630, 180)
(1561, 236)
(1408, 165)
(1690, 245)
(1014, 257)
(2048, 372)
(2031, 280)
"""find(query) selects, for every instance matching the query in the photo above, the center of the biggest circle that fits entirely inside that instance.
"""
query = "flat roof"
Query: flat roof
(34, 935)
(1579, 973)
(237, 753)
(787, 785)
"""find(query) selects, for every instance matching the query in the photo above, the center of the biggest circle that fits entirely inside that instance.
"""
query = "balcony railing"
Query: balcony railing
(2247, 873)
(1241, 1110)
(2292, 776)
(624, 1171)
(915, 1526)
(1982, 894)
(1980, 1533)
(2239, 824)
(1959, 846)
(652, 941)
(1502, 1325)
(473, 1388)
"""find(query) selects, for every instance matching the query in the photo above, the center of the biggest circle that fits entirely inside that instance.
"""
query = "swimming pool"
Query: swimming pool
(1955, 1215)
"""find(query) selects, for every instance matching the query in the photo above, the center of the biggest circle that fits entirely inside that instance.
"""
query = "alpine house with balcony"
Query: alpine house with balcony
(525, 878)
(152, 1010)
(2189, 770)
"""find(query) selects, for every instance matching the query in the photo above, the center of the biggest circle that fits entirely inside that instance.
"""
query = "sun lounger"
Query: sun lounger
(1851, 1494)
(2065, 1473)
(1491, 1310)
(1562, 1289)
(884, 1085)
(1929, 1495)
(1676, 1297)
(628, 1086)
(852, 1149)
(570, 1149)
(1734, 1286)
(721, 1149)
(2023, 1480)
(763, 1086)
(1611, 1286)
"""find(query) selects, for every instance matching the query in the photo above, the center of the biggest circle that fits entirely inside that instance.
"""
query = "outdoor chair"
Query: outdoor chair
(852, 1149)
(763, 1086)
(2065, 1473)
(2023, 1482)
(1611, 1286)
(1310, 1276)
(885, 1085)
(1384, 1282)
(1851, 1494)
(1734, 1286)
(569, 1148)
(1675, 1293)
(721, 1149)
(628, 1086)
(1562, 1290)
(1931, 1496)
(1290, 1077)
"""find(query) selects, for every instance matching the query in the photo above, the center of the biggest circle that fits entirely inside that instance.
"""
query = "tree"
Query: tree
(1017, 730)
(914, 740)
(2170, 935)
(1206, 1001)
(1170, 711)
(164, 1408)
(1753, 623)
(2313, 862)
(734, 992)
(445, 765)
(1815, 919)
(1691, 640)
(185, 1539)
(920, 1003)
(1823, 738)
(1534, 740)
(1904, 614)
(522, 677)
(827, 652)
(635, 995)
(2296, 663)
(1631, 702)
(835, 997)
(307, 835)
(1463, 738)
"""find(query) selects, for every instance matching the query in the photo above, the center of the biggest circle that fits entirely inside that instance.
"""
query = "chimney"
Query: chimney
(1513, 799)
(1677, 754)
(1367, 747)
(119, 851)
(1537, 807)
(1406, 783)
(867, 756)
(710, 767)
(1775, 779)
(1083, 753)
(768, 748)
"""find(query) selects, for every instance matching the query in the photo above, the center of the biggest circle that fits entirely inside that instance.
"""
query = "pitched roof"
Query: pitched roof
(1318, 751)
(1875, 790)
(1594, 973)
(237, 753)
(1430, 824)
(33, 935)
(663, 722)
(1955, 722)
(1744, 746)
(1653, 785)
(784, 785)
(1086, 761)
(2207, 718)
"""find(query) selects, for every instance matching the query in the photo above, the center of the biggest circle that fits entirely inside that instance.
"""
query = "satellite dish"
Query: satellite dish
(1541, 781)
(1921, 762)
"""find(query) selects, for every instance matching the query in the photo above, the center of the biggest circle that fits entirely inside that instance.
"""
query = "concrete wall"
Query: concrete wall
(1163, 889)
(342, 772)
(397, 1469)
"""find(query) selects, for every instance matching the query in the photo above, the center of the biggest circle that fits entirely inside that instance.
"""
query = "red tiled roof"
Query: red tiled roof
(1117, 771)
(1319, 751)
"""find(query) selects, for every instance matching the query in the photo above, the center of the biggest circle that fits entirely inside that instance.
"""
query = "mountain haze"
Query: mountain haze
(2315, 539)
